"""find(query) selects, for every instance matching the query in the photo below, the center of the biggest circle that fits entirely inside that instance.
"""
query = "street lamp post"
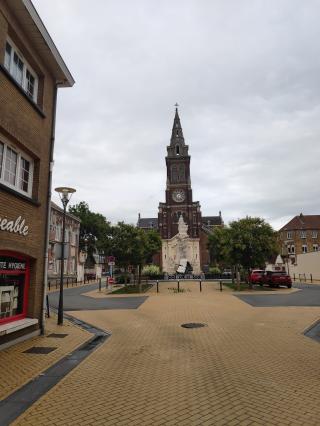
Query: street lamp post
(65, 196)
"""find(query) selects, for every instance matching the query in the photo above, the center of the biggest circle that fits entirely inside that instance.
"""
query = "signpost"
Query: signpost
(111, 264)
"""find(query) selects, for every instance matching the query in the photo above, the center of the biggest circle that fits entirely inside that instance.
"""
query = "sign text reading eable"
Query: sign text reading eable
(17, 226)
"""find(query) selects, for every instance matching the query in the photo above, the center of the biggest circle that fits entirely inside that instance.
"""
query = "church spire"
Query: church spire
(177, 134)
(177, 147)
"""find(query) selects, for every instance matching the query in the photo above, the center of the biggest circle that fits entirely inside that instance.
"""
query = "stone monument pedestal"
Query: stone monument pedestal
(179, 250)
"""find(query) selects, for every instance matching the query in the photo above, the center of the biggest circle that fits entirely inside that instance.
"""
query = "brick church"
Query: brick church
(179, 204)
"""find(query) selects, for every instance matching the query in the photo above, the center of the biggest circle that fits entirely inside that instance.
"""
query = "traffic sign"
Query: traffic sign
(111, 263)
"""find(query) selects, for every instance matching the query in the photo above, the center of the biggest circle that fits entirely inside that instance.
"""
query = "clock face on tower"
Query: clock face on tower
(178, 195)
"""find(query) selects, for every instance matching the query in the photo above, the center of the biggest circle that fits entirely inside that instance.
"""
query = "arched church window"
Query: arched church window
(177, 149)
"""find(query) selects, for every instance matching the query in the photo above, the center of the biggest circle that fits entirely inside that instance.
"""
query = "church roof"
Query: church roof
(148, 223)
(212, 220)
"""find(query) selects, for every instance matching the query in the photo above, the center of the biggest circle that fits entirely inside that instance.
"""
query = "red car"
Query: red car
(276, 279)
(255, 276)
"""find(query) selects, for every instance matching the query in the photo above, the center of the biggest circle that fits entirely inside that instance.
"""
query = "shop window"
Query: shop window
(16, 169)
(20, 70)
(14, 282)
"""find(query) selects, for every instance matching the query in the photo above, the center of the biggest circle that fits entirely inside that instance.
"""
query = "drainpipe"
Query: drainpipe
(46, 239)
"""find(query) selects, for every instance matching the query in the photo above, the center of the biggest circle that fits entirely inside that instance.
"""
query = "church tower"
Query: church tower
(184, 231)
(178, 189)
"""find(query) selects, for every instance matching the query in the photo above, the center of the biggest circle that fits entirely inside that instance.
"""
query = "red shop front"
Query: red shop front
(14, 285)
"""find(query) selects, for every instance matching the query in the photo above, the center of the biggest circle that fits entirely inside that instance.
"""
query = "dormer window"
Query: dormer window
(177, 150)
(20, 70)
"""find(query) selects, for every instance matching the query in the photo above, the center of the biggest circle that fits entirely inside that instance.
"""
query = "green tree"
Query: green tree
(125, 244)
(251, 242)
(132, 246)
(218, 247)
(245, 243)
(95, 230)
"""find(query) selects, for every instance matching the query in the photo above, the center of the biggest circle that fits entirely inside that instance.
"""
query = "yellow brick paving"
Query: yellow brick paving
(250, 366)
(17, 368)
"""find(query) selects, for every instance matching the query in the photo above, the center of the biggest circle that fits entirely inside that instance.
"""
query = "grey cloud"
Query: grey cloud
(246, 74)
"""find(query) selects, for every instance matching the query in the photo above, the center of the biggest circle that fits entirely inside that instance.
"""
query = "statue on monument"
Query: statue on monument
(182, 245)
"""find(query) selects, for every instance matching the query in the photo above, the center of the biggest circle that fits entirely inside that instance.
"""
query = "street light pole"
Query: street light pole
(60, 308)
(65, 196)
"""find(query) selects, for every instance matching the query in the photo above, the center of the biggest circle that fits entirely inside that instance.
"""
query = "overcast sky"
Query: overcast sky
(246, 76)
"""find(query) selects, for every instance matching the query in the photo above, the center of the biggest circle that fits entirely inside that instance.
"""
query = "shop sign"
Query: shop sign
(17, 226)
(12, 264)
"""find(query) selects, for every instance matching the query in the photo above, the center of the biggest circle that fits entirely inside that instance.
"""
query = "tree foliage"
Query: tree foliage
(132, 245)
(94, 228)
(247, 242)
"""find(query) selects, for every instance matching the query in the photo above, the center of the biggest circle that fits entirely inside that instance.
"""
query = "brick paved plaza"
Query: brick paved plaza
(248, 366)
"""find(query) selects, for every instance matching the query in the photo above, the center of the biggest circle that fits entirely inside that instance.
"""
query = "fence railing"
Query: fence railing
(54, 283)
(306, 278)
(178, 284)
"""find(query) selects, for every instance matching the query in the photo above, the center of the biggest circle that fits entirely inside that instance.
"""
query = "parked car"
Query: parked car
(227, 273)
(255, 276)
(276, 279)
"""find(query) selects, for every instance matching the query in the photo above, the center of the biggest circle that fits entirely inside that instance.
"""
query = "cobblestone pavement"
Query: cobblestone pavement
(17, 367)
(249, 366)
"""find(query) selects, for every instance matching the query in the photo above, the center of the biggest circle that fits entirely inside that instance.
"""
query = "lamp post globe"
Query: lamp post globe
(65, 194)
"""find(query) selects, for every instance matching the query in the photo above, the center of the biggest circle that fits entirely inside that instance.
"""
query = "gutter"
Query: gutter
(69, 80)
(48, 212)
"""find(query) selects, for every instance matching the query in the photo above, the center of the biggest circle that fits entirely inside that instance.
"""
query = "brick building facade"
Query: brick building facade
(179, 201)
(71, 244)
(300, 235)
(31, 70)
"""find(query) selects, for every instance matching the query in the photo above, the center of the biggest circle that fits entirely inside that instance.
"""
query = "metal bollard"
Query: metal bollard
(99, 284)
(311, 277)
(220, 285)
(200, 282)
(157, 286)
(48, 310)
(67, 282)
(178, 286)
